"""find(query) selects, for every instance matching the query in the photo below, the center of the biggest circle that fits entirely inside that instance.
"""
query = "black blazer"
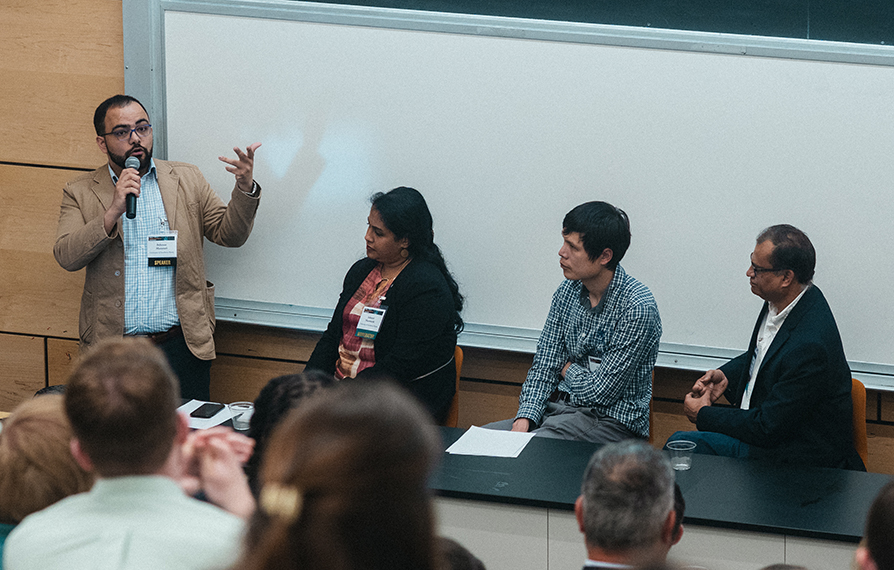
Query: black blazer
(416, 338)
(801, 409)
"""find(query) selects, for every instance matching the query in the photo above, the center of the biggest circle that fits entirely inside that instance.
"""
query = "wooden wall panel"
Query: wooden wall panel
(236, 378)
(61, 58)
(481, 403)
(22, 366)
(672, 384)
(62, 355)
(495, 365)
(36, 295)
(250, 340)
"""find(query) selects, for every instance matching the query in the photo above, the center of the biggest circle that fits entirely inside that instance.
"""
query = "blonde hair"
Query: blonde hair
(36, 465)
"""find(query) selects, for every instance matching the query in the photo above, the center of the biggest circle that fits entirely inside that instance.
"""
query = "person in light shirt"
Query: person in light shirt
(791, 391)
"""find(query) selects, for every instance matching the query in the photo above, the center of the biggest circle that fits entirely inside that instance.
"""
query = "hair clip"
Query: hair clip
(279, 501)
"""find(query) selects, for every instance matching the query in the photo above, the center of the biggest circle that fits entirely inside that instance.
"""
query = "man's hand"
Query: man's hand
(213, 462)
(705, 392)
(692, 404)
(713, 383)
(128, 183)
(242, 167)
(521, 424)
(565, 369)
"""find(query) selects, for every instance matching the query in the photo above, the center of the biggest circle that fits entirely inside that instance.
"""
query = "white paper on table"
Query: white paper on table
(490, 442)
(204, 423)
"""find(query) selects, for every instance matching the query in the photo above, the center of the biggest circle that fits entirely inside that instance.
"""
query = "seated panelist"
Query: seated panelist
(398, 312)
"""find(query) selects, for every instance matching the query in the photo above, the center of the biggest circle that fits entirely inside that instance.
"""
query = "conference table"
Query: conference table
(740, 514)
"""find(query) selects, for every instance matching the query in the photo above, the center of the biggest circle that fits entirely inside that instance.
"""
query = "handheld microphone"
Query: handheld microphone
(130, 201)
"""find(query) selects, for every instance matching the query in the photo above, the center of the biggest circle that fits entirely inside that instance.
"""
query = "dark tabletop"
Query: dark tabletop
(813, 502)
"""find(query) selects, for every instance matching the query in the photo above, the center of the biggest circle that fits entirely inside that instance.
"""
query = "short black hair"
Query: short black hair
(791, 250)
(116, 102)
(601, 226)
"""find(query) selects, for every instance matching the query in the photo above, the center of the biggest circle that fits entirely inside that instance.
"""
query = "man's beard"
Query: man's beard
(118, 159)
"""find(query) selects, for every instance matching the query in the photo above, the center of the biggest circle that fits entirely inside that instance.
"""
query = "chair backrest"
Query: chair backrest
(861, 439)
(453, 413)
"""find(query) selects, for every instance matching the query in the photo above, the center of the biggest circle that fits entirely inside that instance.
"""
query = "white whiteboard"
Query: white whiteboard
(503, 136)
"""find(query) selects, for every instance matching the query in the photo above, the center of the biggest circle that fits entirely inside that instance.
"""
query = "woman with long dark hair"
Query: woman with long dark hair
(344, 485)
(398, 313)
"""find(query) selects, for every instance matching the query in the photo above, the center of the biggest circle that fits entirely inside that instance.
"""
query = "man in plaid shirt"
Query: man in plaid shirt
(592, 374)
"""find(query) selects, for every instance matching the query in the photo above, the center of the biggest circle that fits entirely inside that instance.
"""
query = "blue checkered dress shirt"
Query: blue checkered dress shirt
(150, 305)
(623, 331)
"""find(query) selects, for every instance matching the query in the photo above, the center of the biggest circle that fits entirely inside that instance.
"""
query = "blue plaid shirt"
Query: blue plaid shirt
(623, 331)
(149, 301)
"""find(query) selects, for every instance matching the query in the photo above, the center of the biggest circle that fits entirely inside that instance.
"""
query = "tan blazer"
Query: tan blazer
(193, 209)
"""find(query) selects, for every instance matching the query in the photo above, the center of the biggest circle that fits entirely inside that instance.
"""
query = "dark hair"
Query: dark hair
(344, 485)
(880, 528)
(406, 215)
(628, 491)
(601, 226)
(791, 250)
(113, 102)
(122, 403)
(280, 396)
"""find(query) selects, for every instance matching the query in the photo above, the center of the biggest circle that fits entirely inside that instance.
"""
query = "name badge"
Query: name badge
(370, 321)
(162, 250)
(594, 363)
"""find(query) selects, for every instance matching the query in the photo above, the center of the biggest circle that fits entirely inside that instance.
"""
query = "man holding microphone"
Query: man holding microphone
(146, 270)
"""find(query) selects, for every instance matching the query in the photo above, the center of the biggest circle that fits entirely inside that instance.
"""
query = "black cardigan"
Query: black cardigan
(416, 336)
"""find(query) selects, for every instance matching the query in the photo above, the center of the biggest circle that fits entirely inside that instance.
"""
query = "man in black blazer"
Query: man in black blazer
(791, 392)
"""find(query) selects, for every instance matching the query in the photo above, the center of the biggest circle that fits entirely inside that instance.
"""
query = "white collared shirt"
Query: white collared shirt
(765, 336)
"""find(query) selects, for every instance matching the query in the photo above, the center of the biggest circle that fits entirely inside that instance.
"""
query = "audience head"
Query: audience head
(601, 226)
(122, 403)
(626, 507)
(344, 484)
(783, 567)
(792, 250)
(406, 215)
(36, 465)
(877, 552)
(281, 395)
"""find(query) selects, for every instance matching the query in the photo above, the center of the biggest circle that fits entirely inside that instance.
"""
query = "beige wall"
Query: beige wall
(60, 59)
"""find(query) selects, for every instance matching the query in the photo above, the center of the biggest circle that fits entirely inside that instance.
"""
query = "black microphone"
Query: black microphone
(130, 201)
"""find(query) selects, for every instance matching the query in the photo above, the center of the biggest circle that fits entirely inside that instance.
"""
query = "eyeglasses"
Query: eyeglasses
(757, 269)
(123, 134)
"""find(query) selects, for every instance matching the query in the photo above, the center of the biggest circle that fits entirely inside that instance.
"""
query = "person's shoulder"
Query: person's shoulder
(213, 516)
(38, 528)
(362, 267)
(634, 292)
(425, 270)
(174, 165)
(86, 178)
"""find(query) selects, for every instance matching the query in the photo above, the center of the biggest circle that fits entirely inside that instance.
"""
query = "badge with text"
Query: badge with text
(594, 363)
(370, 321)
(162, 250)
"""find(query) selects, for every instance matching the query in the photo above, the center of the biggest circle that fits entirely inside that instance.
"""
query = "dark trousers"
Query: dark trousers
(194, 373)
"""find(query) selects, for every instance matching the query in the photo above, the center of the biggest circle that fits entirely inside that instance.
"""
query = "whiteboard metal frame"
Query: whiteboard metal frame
(144, 78)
